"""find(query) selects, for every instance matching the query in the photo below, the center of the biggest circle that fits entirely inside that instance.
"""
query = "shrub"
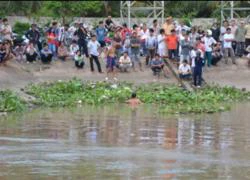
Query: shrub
(20, 28)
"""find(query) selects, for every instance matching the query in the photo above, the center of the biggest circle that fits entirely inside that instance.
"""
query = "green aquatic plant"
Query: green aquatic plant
(169, 98)
(9, 101)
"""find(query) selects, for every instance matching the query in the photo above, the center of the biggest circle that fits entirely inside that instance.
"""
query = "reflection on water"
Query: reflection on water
(116, 142)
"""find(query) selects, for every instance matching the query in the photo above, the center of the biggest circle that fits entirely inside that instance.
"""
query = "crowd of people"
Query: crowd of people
(136, 48)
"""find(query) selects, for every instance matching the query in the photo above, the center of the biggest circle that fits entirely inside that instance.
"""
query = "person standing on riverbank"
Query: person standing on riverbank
(135, 50)
(81, 35)
(228, 38)
(161, 46)
(101, 33)
(94, 48)
(151, 44)
(52, 35)
(111, 62)
(247, 36)
(197, 74)
(172, 42)
(33, 36)
(240, 39)
(209, 42)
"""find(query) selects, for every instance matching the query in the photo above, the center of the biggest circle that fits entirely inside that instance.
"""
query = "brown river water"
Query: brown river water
(119, 143)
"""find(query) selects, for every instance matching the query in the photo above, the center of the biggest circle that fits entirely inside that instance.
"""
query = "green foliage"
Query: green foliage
(21, 28)
(171, 99)
(178, 9)
(71, 8)
(10, 102)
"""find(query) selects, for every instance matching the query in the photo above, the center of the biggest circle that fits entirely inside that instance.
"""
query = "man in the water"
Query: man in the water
(133, 101)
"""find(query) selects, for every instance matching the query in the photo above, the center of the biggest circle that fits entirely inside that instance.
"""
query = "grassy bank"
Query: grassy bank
(170, 99)
(9, 101)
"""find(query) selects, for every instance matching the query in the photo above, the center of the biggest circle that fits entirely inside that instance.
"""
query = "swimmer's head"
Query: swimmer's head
(133, 95)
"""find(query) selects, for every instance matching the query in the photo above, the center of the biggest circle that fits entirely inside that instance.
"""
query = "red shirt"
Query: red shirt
(172, 41)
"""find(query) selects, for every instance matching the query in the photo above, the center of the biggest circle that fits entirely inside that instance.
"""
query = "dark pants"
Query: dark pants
(97, 62)
(79, 64)
(197, 76)
(247, 42)
(31, 58)
(156, 69)
(46, 59)
(185, 76)
(150, 55)
(172, 54)
(234, 46)
(215, 60)
(83, 47)
(240, 49)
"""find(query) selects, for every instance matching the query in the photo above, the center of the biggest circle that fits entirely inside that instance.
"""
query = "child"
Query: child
(93, 47)
(111, 62)
(133, 101)
(73, 48)
(63, 52)
(198, 69)
(31, 53)
(193, 56)
(19, 52)
(79, 63)
(46, 54)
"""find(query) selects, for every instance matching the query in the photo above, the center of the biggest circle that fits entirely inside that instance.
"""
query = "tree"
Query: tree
(66, 9)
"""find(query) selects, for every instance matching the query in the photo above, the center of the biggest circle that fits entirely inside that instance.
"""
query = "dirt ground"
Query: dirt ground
(229, 74)
(17, 75)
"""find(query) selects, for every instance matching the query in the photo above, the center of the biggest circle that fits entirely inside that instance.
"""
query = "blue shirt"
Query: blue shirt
(100, 33)
(156, 62)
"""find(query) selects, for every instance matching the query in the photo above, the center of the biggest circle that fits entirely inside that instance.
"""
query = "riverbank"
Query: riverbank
(163, 91)
(15, 76)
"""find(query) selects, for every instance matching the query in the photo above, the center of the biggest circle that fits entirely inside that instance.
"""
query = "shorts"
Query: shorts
(111, 63)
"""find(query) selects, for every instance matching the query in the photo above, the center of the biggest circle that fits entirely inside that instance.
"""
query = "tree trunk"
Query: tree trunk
(106, 7)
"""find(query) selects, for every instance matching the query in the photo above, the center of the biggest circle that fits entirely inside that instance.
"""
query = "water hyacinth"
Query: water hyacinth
(9, 101)
(169, 98)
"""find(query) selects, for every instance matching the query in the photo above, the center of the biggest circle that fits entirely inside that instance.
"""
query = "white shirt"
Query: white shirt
(222, 32)
(161, 41)
(143, 34)
(8, 30)
(193, 56)
(184, 69)
(151, 42)
(73, 49)
(225, 37)
(122, 60)
(93, 47)
(208, 41)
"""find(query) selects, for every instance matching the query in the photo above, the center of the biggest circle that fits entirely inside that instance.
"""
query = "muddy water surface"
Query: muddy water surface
(116, 143)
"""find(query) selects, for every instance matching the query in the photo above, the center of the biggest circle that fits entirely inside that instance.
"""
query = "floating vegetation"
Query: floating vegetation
(169, 98)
